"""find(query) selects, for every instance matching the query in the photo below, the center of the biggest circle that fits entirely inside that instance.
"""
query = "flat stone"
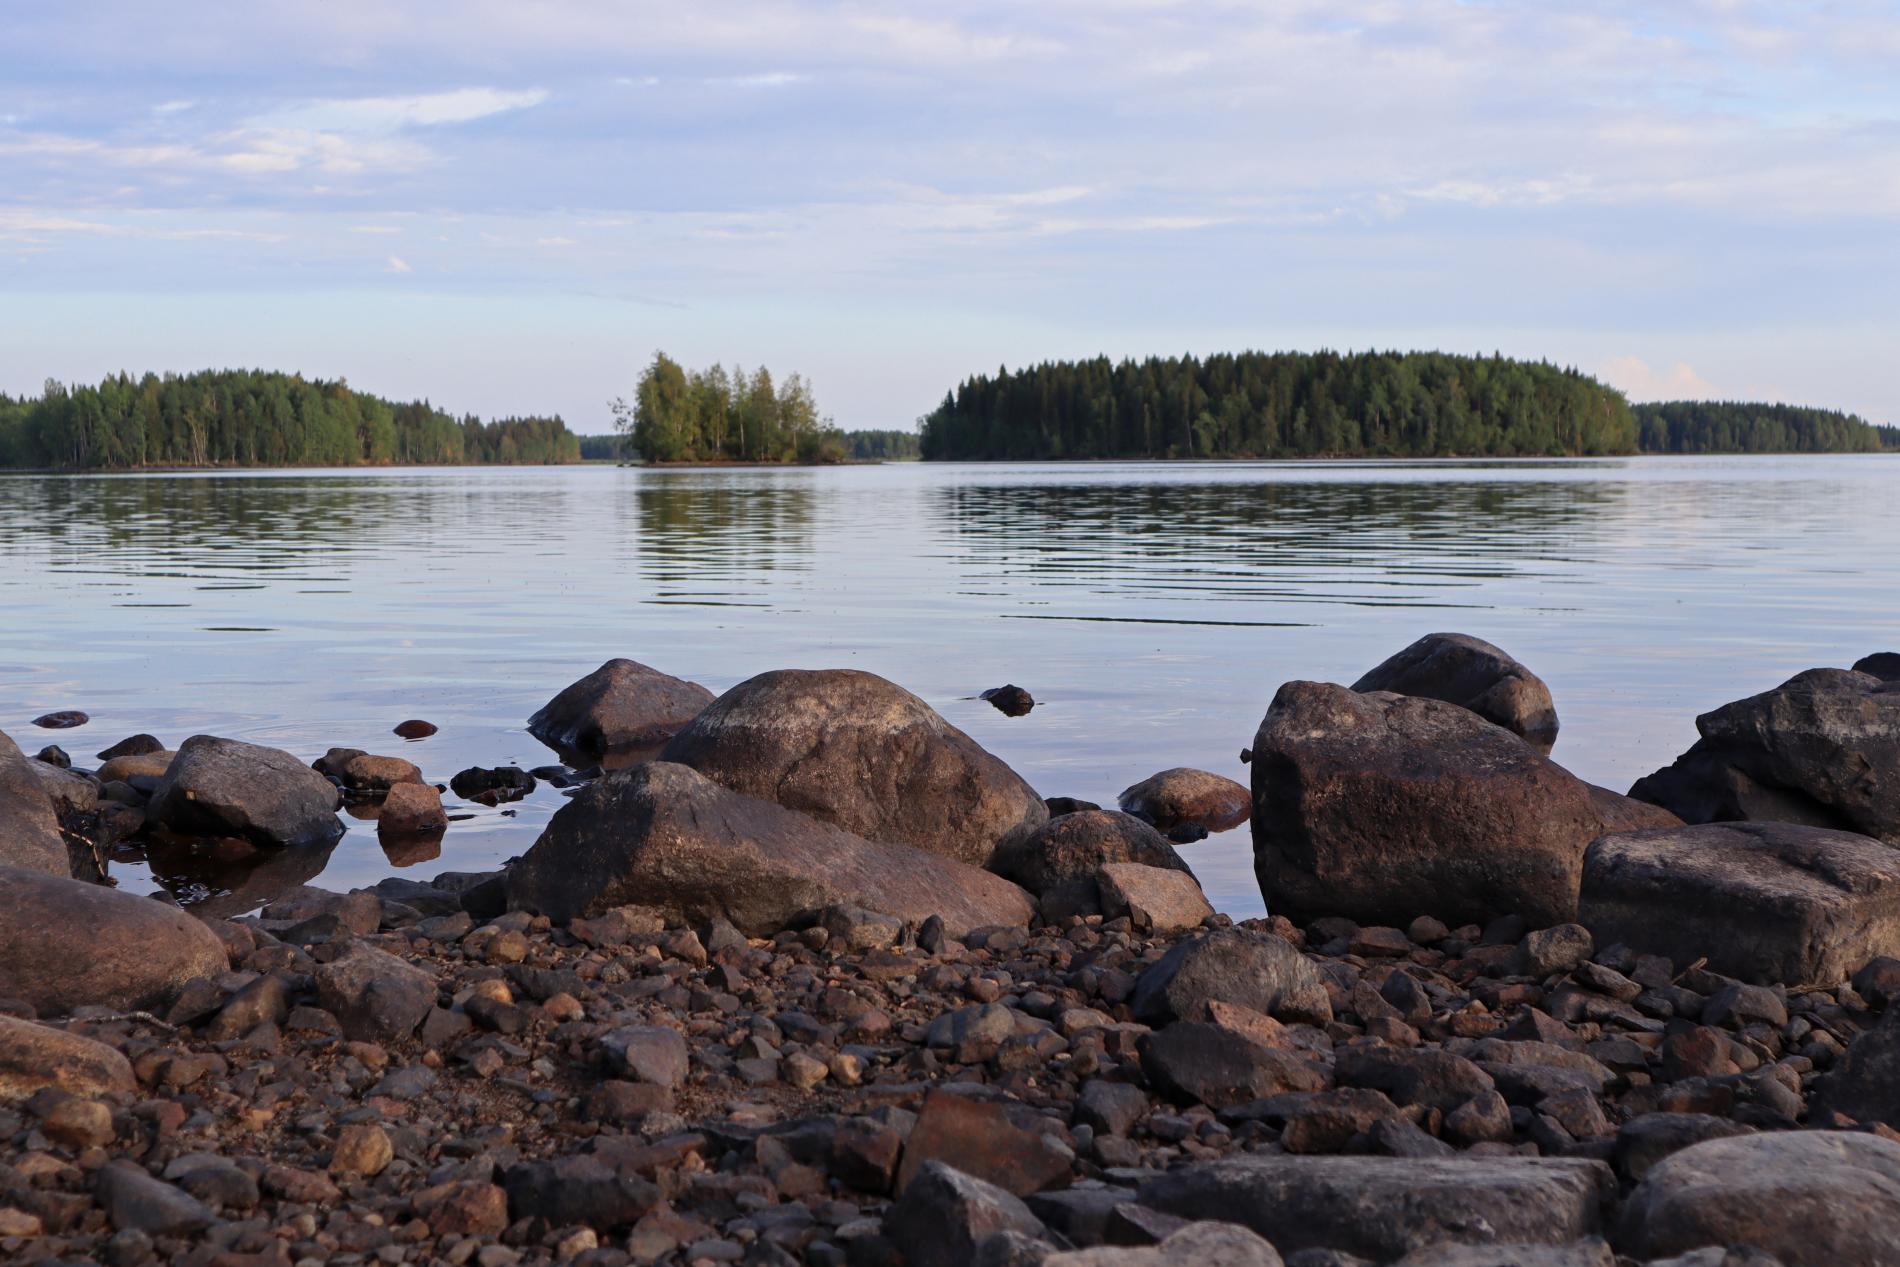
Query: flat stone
(1154, 899)
(647, 1053)
(1201, 1062)
(1203, 1244)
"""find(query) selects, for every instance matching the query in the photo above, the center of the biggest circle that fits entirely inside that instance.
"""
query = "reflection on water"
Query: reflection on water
(1151, 610)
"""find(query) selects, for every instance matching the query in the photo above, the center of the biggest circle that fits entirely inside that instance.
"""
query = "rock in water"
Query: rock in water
(1192, 798)
(662, 836)
(29, 830)
(1010, 701)
(412, 809)
(414, 728)
(221, 787)
(1384, 1207)
(622, 704)
(65, 719)
(1765, 902)
(35, 1057)
(65, 943)
(863, 754)
(1473, 674)
(1804, 1196)
(1823, 749)
(133, 746)
(1383, 807)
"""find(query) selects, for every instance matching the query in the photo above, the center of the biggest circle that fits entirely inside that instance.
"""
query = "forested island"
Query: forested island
(720, 415)
(1328, 404)
(859, 446)
(256, 418)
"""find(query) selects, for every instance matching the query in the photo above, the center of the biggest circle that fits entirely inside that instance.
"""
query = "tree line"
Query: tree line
(255, 418)
(1281, 404)
(720, 415)
(1724, 426)
(859, 446)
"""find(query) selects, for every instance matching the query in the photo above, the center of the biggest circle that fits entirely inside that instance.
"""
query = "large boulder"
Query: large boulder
(1072, 847)
(36, 1057)
(65, 943)
(1820, 1197)
(1473, 674)
(863, 754)
(1823, 748)
(1184, 797)
(1383, 807)
(1384, 1207)
(223, 787)
(1865, 1083)
(662, 836)
(29, 831)
(622, 704)
(1765, 902)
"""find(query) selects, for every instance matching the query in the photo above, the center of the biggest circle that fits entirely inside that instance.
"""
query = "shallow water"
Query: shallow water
(1150, 609)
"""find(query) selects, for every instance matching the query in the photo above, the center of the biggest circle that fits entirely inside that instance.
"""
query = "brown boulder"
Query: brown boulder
(863, 754)
(1184, 797)
(622, 704)
(1076, 846)
(982, 1139)
(1154, 898)
(223, 787)
(1473, 674)
(65, 943)
(34, 1057)
(1382, 807)
(412, 809)
(662, 836)
(29, 831)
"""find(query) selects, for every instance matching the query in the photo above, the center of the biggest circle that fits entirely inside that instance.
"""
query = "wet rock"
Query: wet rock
(944, 1216)
(662, 836)
(622, 704)
(1157, 899)
(412, 809)
(134, 1200)
(133, 746)
(1380, 807)
(1199, 1062)
(492, 787)
(864, 755)
(65, 943)
(979, 1139)
(34, 1057)
(1385, 1207)
(221, 787)
(374, 994)
(1765, 902)
(1821, 749)
(1473, 674)
(1075, 846)
(414, 728)
(1204, 1244)
(1184, 797)
(371, 773)
(1803, 1196)
(1232, 965)
(65, 719)
(1010, 701)
(29, 829)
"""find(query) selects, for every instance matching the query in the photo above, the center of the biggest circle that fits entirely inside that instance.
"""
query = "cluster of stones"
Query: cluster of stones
(826, 982)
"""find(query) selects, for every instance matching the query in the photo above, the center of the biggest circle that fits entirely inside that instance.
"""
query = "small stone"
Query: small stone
(361, 1149)
(464, 1207)
(78, 1124)
(66, 719)
(1554, 951)
(412, 809)
(415, 728)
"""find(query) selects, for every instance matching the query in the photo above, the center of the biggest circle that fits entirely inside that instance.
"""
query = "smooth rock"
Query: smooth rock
(369, 772)
(622, 704)
(1184, 796)
(662, 836)
(1594, 1252)
(1765, 902)
(1865, 1083)
(134, 1200)
(133, 746)
(34, 1057)
(29, 829)
(1076, 846)
(1473, 674)
(864, 755)
(65, 943)
(1153, 898)
(221, 787)
(412, 809)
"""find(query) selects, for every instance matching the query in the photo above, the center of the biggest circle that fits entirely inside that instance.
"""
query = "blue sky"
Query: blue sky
(506, 206)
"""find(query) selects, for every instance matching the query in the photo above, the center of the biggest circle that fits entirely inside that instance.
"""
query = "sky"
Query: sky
(505, 206)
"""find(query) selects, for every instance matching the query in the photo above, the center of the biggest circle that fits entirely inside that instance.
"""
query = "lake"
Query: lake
(1150, 609)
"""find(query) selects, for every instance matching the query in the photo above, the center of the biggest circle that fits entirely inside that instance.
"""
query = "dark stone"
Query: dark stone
(1865, 1082)
(945, 1215)
(622, 704)
(65, 719)
(29, 828)
(492, 787)
(1648, 1138)
(221, 787)
(1199, 1062)
(647, 1053)
(55, 756)
(864, 755)
(133, 1200)
(1230, 965)
(980, 1139)
(375, 995)
(1424, 1075)
(662, 836)
(1060, 805)
(581, 1189)
(133, 746)
(1075, 846)
(1186, 798)
(1010, 701)
(1884, 665)
(1473, 674)
(414, 728)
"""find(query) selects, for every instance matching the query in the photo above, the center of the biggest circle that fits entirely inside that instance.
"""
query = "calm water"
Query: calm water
(1151, 609)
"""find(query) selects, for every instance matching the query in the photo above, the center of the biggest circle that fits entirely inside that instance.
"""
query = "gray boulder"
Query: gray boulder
(1865, 1083)
(862, 754)
(1383, 1208)
(622, 704)
(1822, 749)
(1230, 965)
(661, 836)
(222, 787)
(1198, 1062)
(1820, 1197)
(66, 944)
(1383, 807)
(136, 1202)
(375, 995)
(1473, 674)
(1765, 902)
(29, 830)
(1073, 847)
(945, 1215)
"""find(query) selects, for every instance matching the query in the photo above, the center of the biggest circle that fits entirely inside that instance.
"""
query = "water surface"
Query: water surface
(1151, 609)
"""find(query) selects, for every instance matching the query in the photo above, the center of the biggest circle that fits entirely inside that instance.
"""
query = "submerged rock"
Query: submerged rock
(1473, 674)
(1010, 701)
(1182, 797)
(1822, 749)
(29, 829)
(1382, 807)
(414, 728)
(661, 835)
(622, 704)
(222, 787)
(863, 754)
(65, 719)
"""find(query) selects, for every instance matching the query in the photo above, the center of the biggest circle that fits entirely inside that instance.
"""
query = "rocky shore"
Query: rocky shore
(827, 983)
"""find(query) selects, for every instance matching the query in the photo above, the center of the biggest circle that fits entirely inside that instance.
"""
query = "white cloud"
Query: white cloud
(771, 79)
(1639, 381)
(172, 107)
(390, 114)
(397, 264)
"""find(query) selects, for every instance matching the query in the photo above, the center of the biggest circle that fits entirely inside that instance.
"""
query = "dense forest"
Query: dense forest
(721, 415)
(859, 446)
(1283, 404)
(255, 418)
(1889, 435)
(1711, 426)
